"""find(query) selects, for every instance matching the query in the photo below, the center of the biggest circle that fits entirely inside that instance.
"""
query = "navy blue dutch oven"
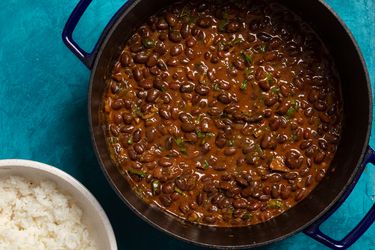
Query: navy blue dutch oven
(352, 155)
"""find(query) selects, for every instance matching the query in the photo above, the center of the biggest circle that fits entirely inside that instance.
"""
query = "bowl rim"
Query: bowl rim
(78, 186)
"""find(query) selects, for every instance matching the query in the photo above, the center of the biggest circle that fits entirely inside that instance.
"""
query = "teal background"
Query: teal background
(43, 110)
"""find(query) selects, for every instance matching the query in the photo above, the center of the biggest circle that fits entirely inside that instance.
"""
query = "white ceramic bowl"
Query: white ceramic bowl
(93, 216)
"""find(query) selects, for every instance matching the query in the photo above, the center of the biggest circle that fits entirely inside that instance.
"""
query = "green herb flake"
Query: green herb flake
(130, 140)
(290, 113)
(200, 134)
(275, 203)
(247, 216)
(269, 78)
(185, 12)
(248, 72)
(206, 164)
(248, 59)
(263, 48)
(181, 144)
(230, 142)
(244, 85)
(137, 172)
(155, 187)
(210, 134)
(216, 87)
(148, 43)
(177, 190)
(222, 24)
(258, 149)
(275, 89)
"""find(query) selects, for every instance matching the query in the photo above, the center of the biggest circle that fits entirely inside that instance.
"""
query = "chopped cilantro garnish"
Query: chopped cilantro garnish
(130, 140)
(155, 187)
(206, 164)
(274, 203)
(148, 43)
(263, 48)
(244, 85)
(181, 145)
(137, 172)
(248, 59)
(275, 89)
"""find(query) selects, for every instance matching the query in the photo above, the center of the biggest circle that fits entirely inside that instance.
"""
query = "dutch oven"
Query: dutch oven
(352, 155)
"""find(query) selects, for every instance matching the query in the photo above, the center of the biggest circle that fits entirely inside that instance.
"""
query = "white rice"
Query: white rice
(39, 216)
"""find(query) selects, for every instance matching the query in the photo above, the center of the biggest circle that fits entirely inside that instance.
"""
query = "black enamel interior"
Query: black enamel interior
(357, 119)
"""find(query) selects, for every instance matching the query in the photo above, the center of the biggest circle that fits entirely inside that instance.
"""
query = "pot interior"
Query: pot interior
(356, 125)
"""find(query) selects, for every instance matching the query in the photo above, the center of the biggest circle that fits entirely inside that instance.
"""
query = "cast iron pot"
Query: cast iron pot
(351, 157)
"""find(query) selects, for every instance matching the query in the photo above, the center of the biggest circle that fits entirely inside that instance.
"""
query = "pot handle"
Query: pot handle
(87, 58)
(314, 231)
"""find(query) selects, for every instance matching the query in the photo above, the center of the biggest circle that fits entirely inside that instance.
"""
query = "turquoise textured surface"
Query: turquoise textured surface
(43, 111)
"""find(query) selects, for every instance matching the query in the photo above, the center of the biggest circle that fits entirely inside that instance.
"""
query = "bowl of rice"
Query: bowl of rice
(42, 207)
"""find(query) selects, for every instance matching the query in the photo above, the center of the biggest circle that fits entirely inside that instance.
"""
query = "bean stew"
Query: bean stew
(224, 113)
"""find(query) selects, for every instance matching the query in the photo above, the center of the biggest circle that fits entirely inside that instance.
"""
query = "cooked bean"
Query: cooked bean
(137, 135)
(224, 98)
(224, 115)
(230, 151)
(175, 36)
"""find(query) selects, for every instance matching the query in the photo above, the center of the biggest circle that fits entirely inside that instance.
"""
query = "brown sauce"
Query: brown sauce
(223, 113)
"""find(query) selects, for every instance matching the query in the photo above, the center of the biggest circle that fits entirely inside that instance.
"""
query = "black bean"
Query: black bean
(233, 27)
(171, 19)
(285, 192)
(191, 42)
(162, 24)
(187, 87)
(117, 104)
(188, 127)
(137, 135)
(265, 37)
(185, 30)
(230, 151)
(323, 144)
(160, 48)
(206, 147)
(264, 85)
(150, 134)
(152, 94)
(293, 159)
(165, 162)
(319, 156)
(220, 167)
(275, 191)
(224, 98)
(305, 144)
(300, 194)
(176, 50)
(140, 57)
(126, 59)
(220, 141)
(146, 84)
(164, 113)
(274, 124)
(165, 200)
(204, 22)
(152, 61)
(209, 219)
(290, 175)
(186, 182)
(202, 90)
(172, 62)
(139, 148)
(132, 154)
(240, 203)
(175, 36)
